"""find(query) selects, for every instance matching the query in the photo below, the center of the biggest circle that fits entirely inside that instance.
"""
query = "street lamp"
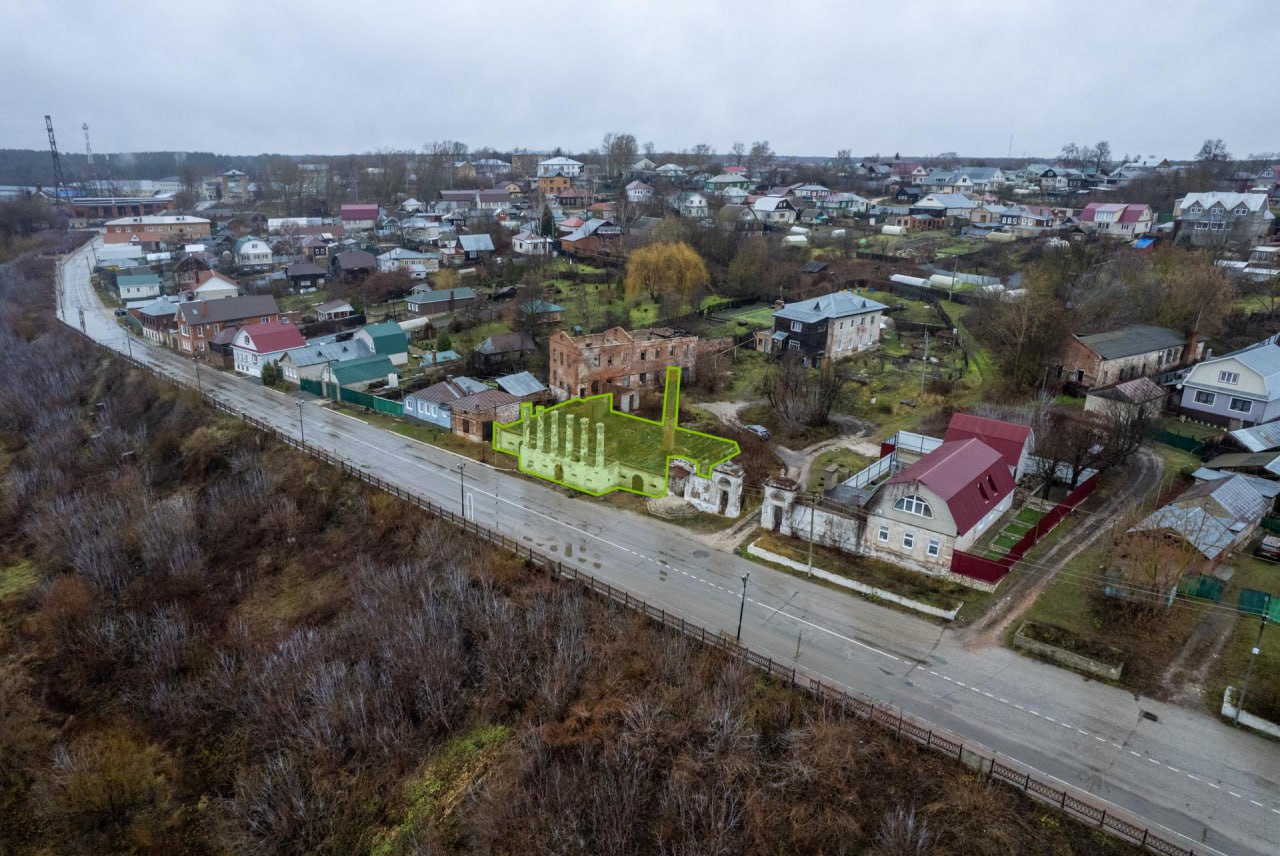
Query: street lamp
(302, 430)
(199, 385)
(742, 606)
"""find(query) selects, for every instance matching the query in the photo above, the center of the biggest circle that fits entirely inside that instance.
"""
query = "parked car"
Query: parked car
(759, 430)
(121, 311)
(1270, 548)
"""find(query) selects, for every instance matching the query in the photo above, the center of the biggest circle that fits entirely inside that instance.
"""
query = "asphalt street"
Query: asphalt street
(1185, 773)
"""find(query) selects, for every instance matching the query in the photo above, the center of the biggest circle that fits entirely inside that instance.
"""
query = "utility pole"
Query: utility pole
(199, 384)
(1253, 655)
(925, 366)
(302, 429)
(813, 513)
(742, 606)
(462, 490)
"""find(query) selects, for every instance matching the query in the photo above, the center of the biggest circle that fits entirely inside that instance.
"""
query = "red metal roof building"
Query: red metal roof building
(1013, 442)
(942, 503)
(258, 344)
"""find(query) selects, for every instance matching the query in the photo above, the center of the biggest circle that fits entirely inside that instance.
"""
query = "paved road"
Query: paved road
(1185, 772)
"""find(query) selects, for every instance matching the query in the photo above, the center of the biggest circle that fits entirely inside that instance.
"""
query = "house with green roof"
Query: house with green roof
(139, 286)
(386, 339)
(360, 373)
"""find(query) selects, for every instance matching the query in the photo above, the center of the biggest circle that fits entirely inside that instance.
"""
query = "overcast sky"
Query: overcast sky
(911, 76)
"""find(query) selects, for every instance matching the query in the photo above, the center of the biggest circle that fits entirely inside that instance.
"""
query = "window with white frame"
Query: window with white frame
(1229, 377)
(796, 326)
(1205, 398)
(1240, 405)
(935, 547)
(908, 540)
(883, 534)
(913, 504)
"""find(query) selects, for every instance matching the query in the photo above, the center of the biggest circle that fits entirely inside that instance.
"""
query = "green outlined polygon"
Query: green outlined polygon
(604, 450)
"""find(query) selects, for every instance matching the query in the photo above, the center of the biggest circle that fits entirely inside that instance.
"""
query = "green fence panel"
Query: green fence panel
(1178, 441)
(1254, 602)
(312, 386)
(1271, 524)
(1207, 588)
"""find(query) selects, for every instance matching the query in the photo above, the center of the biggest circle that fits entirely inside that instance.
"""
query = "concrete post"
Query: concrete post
(584, 430)
(568, 437)
(554, 435)
(526, 425)
(600, 445)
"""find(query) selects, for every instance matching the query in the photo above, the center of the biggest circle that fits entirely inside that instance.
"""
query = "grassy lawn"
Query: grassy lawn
(1029, 516)
(839, 457)
(881, 575)
(1264, 688)
(747, 369)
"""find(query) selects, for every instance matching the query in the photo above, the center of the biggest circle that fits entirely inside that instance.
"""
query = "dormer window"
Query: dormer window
(913, 504)
(1229, 377)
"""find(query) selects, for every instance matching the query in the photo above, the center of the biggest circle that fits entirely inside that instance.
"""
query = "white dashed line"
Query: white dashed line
(1193, 778)
(1212, 785)
(1258, 804)
(1234, 794)
(1050, 719)
(1171, 767)
(1134, 754)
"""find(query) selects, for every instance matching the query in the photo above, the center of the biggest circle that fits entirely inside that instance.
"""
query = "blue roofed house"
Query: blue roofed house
(425, 301)
(1237, 389)
(829, 327)
(476, 247)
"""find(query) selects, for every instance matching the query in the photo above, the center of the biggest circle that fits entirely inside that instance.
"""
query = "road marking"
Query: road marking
(1154, 761)
(1099, 738)
(1212, 785)
(1019, 707)
(1193, 778)
(1134, 754)
(1002, 701)
(231, 385)
(1171, 767)
(1234, 794)
(1050, 719)
(1085, 733)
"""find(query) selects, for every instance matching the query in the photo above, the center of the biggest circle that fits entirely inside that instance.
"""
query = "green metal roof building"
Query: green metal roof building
(362, 370)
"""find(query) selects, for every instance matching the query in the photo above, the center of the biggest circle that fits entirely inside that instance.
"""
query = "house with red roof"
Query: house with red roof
(357, 216)
(255, 345)
(941, 503)
(1013, 442)
(1118, 219)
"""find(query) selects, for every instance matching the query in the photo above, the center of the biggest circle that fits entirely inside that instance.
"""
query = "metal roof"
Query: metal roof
(1005, 437)
(362, 369)
(1211, 514)
(521, 384)
(968, 475)
(840, 304)
(1259, 438)
(476, 243)
(1129, 341)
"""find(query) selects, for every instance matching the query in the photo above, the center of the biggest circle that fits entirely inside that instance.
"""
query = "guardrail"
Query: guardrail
(1072, 802)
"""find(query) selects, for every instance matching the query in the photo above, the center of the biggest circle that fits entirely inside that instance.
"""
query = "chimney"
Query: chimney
(1189, 354)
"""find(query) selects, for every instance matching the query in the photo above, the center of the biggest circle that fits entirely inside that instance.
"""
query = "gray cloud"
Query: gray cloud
(919, 77)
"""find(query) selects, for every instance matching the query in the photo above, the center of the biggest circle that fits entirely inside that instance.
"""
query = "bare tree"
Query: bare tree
(802, 397)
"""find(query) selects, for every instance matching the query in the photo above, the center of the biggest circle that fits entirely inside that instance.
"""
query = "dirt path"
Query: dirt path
(1187, 675)
(1028, 584)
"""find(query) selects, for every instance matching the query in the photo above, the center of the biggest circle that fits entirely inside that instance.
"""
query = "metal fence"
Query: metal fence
(1076, 804)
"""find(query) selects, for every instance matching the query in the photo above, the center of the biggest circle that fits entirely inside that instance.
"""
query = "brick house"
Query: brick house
(474, 415)
(618, 361)
(198, 321)
(156, 229)
(1100, 359)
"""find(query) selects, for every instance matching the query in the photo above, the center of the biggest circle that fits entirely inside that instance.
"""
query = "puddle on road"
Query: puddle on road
(701, 554)
(595, 565)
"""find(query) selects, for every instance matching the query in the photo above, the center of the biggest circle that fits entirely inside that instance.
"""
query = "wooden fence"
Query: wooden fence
(1075, 803)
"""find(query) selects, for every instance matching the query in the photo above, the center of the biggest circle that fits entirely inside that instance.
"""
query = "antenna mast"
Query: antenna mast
(88, 149)
(59, 182)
